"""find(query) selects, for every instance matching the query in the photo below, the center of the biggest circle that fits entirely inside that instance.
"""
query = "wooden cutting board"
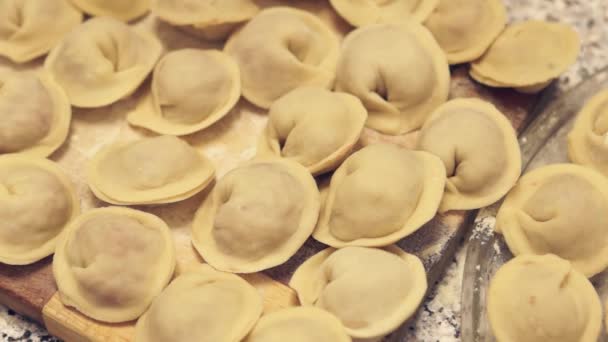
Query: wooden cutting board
(31, 289)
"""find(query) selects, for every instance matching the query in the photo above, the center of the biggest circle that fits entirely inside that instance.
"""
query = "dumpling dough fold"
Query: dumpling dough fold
(365, 12)
(124, 10)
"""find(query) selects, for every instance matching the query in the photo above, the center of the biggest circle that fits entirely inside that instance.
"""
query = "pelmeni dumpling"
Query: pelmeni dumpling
(372, 291)
(257, 216)
(559, 209)
(313, 126)
(181, 105)
(210, 19)
(281, 49)
(588, 140)
(465, 28)
(366, 12)
(399, 73)
(37, 201)
(298, 324)
(161, 169)
(202, 305)
(380, 195)
(479, 149)
(544, 50)
(35, 114)
(124, 10)
(102, 61)
(112, 262)
(542, 298)
(30, 28)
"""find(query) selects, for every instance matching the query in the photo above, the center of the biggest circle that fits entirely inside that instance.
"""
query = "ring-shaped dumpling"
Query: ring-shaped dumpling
(37, 201)
(156, 170)
(257, 216)
(110, 263)
(208, 18)
(479, 149)
(102, 61)
(588, 140)
(35, 114)
(313, 126)
(466, 28)
(365, 12)
(281, 49)
(381, 194)
(30, 28)
(559, 209)
(301, 324)
(399, 73)
(202, 305)
(544, 50)
(372, 291)
(181, 105)
(124, 10)
(542, 298)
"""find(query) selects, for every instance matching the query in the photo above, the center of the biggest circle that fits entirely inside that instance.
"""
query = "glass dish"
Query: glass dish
(543, 142)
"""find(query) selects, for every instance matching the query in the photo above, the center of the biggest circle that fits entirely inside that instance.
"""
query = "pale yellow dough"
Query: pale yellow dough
(372, 291)
(257, 216)
(299, 324)
(479, 149)
(35, 114)
(30, 28)
(37, 201)
(156, 170)
(313, 126)
(110, 263)
(124, 10)
(281, 49)
(466, 28)
(559, 209)
(365, 12)
(542, 298)
(202, 305)
(209, 19)
(102, 61)
(380, 195)
(181, 105)
(544, 50)
(398, 71)
(588, 140)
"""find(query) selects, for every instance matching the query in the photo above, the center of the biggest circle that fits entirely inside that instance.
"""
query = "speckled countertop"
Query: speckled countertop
(439, 320)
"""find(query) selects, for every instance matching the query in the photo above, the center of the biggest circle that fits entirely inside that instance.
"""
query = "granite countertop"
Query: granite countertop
(439, 319)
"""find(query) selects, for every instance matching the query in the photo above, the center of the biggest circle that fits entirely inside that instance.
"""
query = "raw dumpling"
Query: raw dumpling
(480, 151)
(161, 169)
(300, 324)
(559, 209)
(257, 216)
(544, 50)
(181, 105)
(466, 28)
(30, 28)
(112, 262)
(380, 195)
(208, 18)
(281, 49)
(588, 140)
(124, 10)
(313, 126)
(37, 201)
(365, 12)
(202, 305)
(35, 114)
(102, 61)
(399, 73)
(535, 298)
(372, 291)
